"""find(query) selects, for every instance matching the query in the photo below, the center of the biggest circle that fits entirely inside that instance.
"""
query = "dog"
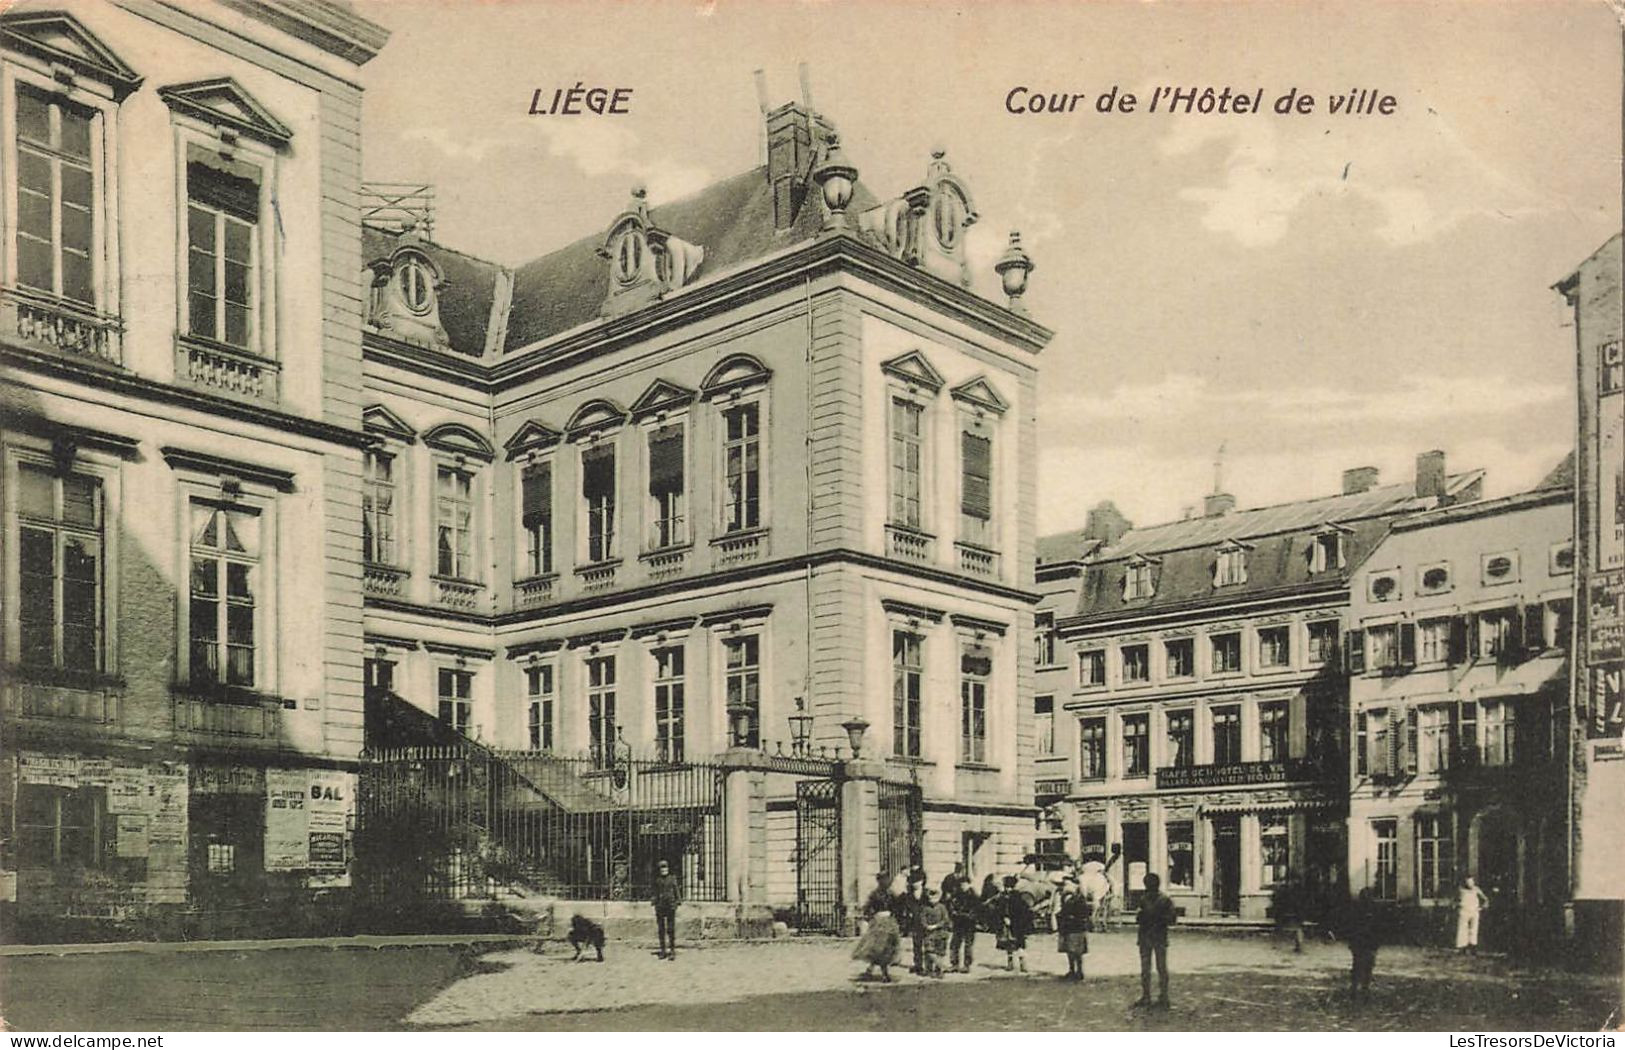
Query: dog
(584, 933)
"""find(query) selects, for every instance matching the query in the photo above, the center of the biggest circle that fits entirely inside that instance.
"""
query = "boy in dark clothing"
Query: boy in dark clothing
(1363, 934)
(1015, 922)
(665, 896)
(965, 911)
(932, 925)
(584, 933)
(1156, 915)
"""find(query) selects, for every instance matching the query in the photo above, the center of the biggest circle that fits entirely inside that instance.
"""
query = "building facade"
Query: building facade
(1208, 693)
(1460, 625)
(180, 314)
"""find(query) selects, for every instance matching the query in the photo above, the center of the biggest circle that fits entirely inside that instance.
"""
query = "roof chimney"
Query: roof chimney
(1217, 504)
(1106, 524)
(794, 134)
(1430, 476)
(1359, 479)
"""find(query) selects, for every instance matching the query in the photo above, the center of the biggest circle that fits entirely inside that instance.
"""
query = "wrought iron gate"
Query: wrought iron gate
(818, 855)
(902, 813)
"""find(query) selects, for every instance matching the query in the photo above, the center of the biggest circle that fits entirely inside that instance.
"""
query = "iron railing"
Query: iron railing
(462, 822)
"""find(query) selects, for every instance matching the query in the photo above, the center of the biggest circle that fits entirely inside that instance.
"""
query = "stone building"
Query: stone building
(1460, 623)
(1208, 695)
(181, 444)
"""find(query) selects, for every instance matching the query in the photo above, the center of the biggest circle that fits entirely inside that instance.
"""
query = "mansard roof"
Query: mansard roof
(465, 298)
(731, 219)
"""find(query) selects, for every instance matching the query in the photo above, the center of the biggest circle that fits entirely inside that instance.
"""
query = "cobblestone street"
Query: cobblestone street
(1221, 982)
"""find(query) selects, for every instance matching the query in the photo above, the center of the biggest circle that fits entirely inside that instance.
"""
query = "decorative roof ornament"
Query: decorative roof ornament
(404, 299)
(925, 226)
(836, 178)
(645, 261)
(1013, 268)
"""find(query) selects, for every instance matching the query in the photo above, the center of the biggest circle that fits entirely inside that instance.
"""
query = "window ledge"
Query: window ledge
(597, 566)
(669, 549)
(230, 695)
(904, 760)
(64, 677)
(227, 370)
(976, 767)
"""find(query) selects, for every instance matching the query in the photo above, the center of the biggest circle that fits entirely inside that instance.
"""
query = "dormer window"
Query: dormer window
(1326, 551)
(630, 248)
(1137, 580)
(1230, 567)
(416, 285)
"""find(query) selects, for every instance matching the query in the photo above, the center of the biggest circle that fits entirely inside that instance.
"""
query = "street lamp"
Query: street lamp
(855, 728)
(739, 715)
(800, 728)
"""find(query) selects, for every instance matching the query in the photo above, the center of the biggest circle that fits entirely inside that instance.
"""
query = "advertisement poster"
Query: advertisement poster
(167, 825)
(133, 840)
(287, 825)
(309, 816)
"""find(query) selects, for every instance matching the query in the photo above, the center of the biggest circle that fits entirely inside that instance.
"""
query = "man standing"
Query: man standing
(665, 901)
(1156, 915)
(1362, 930)
(965, 911)
(1470, 901)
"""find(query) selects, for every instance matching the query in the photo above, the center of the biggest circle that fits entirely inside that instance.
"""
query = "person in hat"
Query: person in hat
(666, 895)
(1072, 928)
(1155, 916)
(933, 927)
(1015, 921)
(881, 938)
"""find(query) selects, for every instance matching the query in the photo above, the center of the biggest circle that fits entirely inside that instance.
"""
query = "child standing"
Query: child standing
(933, 927)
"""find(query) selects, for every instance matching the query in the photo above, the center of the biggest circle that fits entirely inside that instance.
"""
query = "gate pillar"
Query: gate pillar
(745, 807)
(860, 823)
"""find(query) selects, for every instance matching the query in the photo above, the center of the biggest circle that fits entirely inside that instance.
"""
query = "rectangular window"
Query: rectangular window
(536, 517)
(454, 523)
(976, 488)
(1136, 745)
(59, 827)
(1497, 732)
(908, 675)
(1274, 647)
(1045, 638)
(1376, 728)
(1435, 856)
(378, 509)
(1385, 872)
(601, 725)
(907, 462)
(1226, 736)
(1558, 623)
(1230, 568)
(59, 541)
(55, 196)
(1435, 734)
(1137, 582)
(1322, 642)
(1496, 633)
(668, 685)
(222, 231)
(1274, 731)
(742, 468)
(1180, 656)
(743, 668)
(1092, 667)
(1092, 749)
(1433, 641)
(1226, 652)
(1382, 642)
(541, 715)
(668, 495)
(975, 669)
(1044, 724)
(224, 586)
(455, 691)
(598, 493)
(1181, 727)
(1181, 854)
(1274, 853)
(1136, 663)
(1327, 552)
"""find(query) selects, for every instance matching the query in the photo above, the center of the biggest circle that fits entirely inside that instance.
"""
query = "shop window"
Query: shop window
(62, 827)
(1181, 854)
(1273, 849)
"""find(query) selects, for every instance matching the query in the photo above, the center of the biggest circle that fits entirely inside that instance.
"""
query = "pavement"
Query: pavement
(1222, 981)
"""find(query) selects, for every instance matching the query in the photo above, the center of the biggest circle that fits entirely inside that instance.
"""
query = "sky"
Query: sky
(1307, 292)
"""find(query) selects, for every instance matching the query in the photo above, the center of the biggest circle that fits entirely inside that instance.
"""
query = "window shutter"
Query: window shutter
(536, 494)
(598, 472)
(976, 492)
(1396, 741)
(1380, 743)
(1407, 645)
(1459, 643)
(666, 460)
(1411, 718)
(1354, 648)
(232, 194)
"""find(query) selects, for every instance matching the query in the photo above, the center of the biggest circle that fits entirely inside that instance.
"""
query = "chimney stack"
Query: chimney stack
(1217, 504)
(1430, 475)
(795, 133)
(1359, 479)
(1106, 524)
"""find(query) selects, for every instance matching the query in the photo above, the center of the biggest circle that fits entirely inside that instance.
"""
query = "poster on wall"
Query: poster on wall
(1601, 874)
(1610, 509)
(166, 827)
(309, 822)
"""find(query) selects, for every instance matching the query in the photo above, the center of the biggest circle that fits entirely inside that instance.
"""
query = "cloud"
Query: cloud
(1419, 189)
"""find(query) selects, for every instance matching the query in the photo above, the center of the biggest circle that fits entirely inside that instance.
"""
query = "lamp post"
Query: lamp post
(800, 728)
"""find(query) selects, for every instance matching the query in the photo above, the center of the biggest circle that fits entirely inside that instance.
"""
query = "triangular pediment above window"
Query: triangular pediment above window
(662, 396)
(223, 103)
(376, 419)
(59, 38)
(914, 369)
(599, 414)
(461, 440)
(530, 436)
(980, 392)
(734, 372)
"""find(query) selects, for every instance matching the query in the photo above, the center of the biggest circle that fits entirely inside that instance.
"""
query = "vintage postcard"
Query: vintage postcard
(788, 516)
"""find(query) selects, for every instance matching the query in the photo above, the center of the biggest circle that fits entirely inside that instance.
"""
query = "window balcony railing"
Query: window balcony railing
(535, 590)
(977, 561)
(735, 548)
(225, 370)
(1235, 773)
(457, 594)
(599, 575)
(665, 562)
(60, 324)
(910, 544)
(80, 698)
(255, 719)
(383, 581)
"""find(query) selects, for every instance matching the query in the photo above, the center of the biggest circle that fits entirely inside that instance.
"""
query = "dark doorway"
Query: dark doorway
(1136, 861)
(1227, 865)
